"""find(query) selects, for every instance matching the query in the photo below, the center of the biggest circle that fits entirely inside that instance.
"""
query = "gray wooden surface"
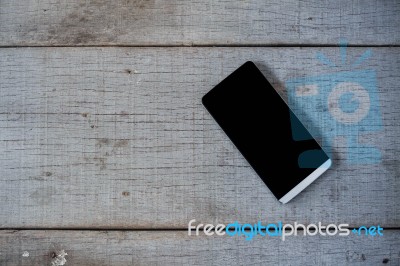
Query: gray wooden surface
(116, 139)
(177, 248)
(178, 22)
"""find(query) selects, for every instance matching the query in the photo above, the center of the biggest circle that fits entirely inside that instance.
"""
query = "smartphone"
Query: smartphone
(261, 125)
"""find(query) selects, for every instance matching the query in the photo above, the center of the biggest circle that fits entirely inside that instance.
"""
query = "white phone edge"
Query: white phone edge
(306, 182)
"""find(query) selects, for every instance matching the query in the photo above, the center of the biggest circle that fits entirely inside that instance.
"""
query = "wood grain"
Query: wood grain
(118, 138)
(177, 22)
(177, 248)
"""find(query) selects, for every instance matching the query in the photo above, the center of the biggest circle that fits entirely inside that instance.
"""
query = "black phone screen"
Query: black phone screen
(260, 124)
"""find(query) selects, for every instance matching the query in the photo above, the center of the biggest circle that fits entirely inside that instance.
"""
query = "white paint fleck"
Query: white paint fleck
(25, 254)
(59, 258)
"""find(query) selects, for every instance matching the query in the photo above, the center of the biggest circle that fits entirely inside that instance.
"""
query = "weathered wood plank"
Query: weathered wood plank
(176, 22)
(177, 248)
(118, 138)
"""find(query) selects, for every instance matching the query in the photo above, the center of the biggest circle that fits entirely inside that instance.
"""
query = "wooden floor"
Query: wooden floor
(107, 153)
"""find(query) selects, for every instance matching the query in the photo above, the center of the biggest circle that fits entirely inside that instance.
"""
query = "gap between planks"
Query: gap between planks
(97, 229)
(283, 45)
